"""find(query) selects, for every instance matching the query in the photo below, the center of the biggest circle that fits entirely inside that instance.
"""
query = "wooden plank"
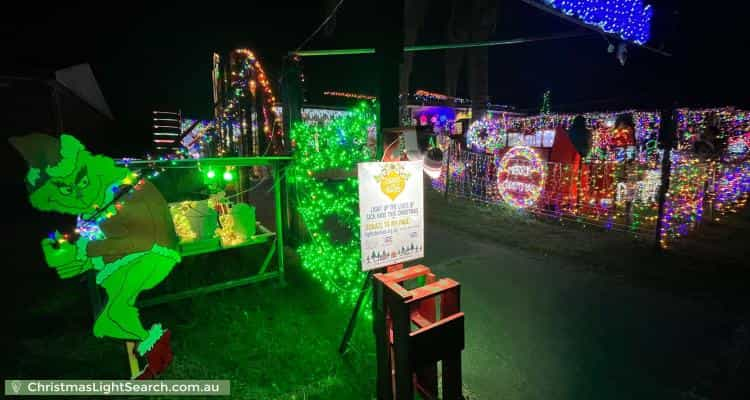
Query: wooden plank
(398, 290)
(452, 379)
(419, 319)
(381, 331)
(407, 273)
(394, 267)
(434, 342)
(402, 351)
(135, 369)
(450, 302)
(433, 289)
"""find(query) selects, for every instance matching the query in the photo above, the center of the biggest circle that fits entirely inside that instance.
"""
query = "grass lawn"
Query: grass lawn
(272, 342)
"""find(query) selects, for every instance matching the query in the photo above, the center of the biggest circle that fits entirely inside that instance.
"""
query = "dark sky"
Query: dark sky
(149, 56)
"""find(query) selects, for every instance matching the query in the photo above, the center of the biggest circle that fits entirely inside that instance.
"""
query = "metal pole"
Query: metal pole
(279, 221)
(353, 319)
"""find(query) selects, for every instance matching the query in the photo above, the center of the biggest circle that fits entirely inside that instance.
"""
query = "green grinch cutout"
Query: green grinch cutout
(124, 230)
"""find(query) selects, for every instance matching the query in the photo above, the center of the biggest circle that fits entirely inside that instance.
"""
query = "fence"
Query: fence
(616, 195)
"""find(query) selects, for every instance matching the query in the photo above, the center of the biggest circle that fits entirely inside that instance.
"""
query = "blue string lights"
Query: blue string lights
(629, 19)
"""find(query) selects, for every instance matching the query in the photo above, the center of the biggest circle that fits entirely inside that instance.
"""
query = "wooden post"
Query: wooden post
(389, 55)
(382, 343)
(135, 369)
(401, 360)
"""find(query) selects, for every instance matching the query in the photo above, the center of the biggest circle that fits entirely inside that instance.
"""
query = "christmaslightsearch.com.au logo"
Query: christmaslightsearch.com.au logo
(19, 387)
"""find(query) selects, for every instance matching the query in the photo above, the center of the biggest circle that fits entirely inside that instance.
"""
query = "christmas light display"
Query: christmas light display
(628, 19)
(520, 177)
(324, 156)
(424, 96)
(321, 115)
(349, 95)
(441, 118)
(617, 186)
(506, 130)
(545, 103)
(683, 209)
(199, 135)
(486, 135)
(730, 187)
(241, 120)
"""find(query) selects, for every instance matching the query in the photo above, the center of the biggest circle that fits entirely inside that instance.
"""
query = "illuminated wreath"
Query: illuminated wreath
(485, 135)
(325, 154)
(520, 177)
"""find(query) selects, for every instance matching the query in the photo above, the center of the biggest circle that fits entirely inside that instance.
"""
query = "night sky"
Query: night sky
(147, 57)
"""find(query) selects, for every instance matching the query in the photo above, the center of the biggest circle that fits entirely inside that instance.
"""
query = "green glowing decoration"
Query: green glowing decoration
(545, 109)
(228, 176)
(211, 174)
(330, 150)
(125, 233)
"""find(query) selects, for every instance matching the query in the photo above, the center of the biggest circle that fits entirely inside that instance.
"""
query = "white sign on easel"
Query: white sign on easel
(391, 211)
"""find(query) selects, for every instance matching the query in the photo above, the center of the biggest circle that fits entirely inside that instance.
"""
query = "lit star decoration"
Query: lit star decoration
(331, 149)
(628, 19)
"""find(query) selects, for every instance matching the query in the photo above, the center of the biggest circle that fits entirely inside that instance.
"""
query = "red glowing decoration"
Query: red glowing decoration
(520, 177)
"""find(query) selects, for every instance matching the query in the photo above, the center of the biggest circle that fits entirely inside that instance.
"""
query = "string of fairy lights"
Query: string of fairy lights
(324, 154)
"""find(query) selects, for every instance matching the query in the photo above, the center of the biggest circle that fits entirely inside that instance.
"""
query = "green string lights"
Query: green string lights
(324, 171)
(545, 110)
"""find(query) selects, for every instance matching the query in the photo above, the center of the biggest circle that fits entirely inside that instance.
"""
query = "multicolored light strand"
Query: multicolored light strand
(520, 177)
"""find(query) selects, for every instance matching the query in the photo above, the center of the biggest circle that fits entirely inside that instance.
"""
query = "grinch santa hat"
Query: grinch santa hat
(47, 156)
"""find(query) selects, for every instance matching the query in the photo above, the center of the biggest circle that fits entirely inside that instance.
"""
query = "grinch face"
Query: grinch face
(83, 189)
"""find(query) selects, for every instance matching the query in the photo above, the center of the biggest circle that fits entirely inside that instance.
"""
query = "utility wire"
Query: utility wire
(325, 22)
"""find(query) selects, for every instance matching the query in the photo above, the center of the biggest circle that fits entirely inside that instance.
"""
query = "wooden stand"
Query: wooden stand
(414, 330)
(135, 369)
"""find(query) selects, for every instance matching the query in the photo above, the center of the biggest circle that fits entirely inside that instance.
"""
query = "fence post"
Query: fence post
(667, 135)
